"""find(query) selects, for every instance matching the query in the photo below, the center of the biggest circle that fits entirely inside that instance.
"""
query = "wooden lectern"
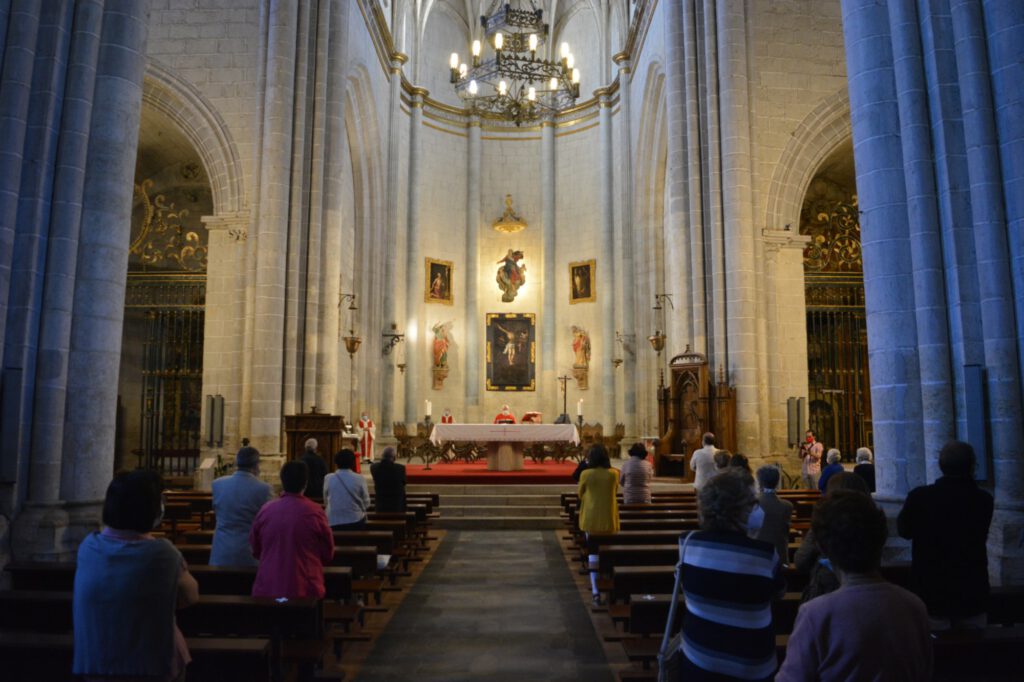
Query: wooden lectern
(692, 404)
(326, 428)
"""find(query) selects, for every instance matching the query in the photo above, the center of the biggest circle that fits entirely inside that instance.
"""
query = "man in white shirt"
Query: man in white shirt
(703, 461)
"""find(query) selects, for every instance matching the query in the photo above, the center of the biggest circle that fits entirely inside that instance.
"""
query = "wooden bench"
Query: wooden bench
(46, 657)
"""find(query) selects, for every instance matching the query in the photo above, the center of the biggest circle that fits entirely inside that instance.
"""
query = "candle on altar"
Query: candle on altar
(428, 406)
(579, 408)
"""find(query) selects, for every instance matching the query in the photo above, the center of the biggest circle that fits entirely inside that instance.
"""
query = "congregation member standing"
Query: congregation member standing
(865, 468)
(317, 468)
(835, 465)
(388, 482)
(777, 512)
(947, 522)
(810, 460)
(868, 629)
(729, 581)
(127, 587)
(599, 507)
(346, 494)
(236, 501)
(702, 462)
(636, 476)
(292, 541)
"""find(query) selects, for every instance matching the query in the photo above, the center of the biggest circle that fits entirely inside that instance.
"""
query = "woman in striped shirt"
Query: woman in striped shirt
(729, 581)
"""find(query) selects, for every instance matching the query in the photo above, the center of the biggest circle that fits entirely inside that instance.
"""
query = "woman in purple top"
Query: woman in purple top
(636, 475)
(868, 629)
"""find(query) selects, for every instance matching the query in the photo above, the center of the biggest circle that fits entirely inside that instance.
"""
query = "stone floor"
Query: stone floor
(491, 605)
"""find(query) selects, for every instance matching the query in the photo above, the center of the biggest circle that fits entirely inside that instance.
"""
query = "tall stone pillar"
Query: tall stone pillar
(98, 313)
(415, 324)
(222, 337)
(606, 270)
(630, 318)
(737, 216)
(471, 369)
(548, 352)
(689, 156)
(387, 375)
(273, 218)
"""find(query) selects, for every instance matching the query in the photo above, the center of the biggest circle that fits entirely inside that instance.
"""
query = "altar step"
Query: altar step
(498, 507)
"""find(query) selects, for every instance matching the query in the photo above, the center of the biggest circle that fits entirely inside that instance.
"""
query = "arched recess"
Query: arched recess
(816, 137)
(365, 240)
(185, 106)
(650, 162)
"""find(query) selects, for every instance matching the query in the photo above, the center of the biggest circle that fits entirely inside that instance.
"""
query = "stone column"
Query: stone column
(22, 28)
(690, 159)
(98, 313)
(472, 312)
(888, 266)
(630, 305)
(988, 217)
(682, 229)
(939, 425)
(222, 336)
(711, 169)
(737, 216)
(548, 352)
(415, 324)
(387, 375)
(606, 269)
(62, 263)
(273, 218)
(786, 329)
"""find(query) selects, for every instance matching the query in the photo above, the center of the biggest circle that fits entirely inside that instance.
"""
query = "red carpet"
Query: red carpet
(477, 473)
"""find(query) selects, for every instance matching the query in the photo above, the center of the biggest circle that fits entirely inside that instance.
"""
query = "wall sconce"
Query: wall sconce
(392, 339)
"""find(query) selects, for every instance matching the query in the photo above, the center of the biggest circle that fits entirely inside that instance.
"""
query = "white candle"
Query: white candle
(579, 408)
(427, 404)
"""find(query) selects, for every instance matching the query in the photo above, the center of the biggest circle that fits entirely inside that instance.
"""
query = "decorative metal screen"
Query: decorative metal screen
(172, 368)
(839, 400)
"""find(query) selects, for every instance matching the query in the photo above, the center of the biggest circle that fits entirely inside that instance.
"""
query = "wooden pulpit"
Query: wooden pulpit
(692, 404)
(328, 429)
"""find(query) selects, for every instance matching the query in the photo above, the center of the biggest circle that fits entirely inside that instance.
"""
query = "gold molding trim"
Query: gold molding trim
(444, 130)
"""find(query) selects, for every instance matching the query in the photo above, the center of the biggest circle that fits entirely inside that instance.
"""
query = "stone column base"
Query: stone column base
(39, 532)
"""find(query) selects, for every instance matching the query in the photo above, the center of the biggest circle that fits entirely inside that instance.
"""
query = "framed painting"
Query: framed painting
(582, 282)
(439, 281)
(511, 352)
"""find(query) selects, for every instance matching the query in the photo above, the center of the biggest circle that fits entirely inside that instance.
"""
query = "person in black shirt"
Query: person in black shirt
(317, 470)
(948, 524)
(388, 482)
(865, 468)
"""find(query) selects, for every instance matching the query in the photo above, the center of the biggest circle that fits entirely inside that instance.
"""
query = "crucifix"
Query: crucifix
(564, 417)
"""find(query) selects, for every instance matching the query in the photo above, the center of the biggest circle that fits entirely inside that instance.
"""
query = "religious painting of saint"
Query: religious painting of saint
(439, 282)
(581, 281)
(511, 352)
(511, 275)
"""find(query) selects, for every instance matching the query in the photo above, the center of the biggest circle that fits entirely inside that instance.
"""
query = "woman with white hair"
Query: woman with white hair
(865, 467)
(835, 465)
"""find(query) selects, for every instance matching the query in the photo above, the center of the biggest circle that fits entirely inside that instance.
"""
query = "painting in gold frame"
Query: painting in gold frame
(438, 281)
(511, 348)
(582, 281)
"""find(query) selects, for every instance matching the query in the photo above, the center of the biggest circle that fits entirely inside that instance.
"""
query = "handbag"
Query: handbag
(670, 654)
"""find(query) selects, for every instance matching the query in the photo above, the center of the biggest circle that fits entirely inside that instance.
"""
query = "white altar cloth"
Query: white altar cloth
(502, 454)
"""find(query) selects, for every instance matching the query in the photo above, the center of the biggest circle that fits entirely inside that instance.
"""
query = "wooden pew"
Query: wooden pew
(46, 657)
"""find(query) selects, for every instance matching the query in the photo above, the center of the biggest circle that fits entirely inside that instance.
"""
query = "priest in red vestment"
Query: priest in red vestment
(505, 416)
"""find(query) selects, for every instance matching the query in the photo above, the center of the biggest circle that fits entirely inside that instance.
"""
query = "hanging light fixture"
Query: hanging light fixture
(513, 82)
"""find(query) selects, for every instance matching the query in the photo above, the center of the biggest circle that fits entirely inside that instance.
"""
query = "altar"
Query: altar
(504, 441)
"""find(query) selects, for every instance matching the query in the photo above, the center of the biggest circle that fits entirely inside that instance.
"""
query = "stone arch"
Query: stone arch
(812, 141)
(182, 103)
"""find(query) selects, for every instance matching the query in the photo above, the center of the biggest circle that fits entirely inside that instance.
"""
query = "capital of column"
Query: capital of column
(604, 96)
(775, 240)
(623, 62)
(236, 223)
(474, 120)
(418, 95)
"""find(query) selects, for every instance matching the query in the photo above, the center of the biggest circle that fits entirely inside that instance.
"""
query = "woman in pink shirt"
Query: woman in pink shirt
(292, 541)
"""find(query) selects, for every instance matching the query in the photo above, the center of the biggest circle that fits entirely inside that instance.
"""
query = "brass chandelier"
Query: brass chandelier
(515, 84)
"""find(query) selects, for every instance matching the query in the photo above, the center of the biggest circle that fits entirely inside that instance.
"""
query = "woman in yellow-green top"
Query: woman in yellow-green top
(599, 509)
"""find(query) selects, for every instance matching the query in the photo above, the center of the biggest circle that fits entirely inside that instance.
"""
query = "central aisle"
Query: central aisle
(491, 605)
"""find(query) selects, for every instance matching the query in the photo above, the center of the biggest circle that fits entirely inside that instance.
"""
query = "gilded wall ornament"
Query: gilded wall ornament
(162, 241)
(509, 222)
